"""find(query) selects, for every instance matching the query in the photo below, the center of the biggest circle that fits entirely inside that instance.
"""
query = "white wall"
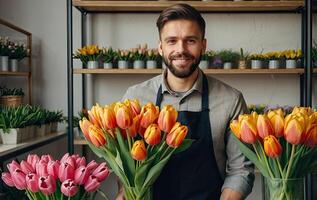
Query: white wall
(46, 20)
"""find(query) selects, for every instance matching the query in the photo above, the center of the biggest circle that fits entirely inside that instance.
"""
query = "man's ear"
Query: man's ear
(160, 48)
(204, 46)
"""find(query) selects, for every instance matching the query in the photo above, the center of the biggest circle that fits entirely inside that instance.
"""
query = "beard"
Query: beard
(183, 73)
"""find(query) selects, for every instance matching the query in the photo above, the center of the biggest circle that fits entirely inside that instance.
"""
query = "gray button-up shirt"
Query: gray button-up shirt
(225, 104)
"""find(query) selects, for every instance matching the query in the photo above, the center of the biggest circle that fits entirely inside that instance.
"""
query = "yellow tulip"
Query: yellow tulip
(84, 125)
(248, 131)
(149, 114)
(97, 136)
(108, 118)
(176, 136)
(235, 128)
(277, 120)
(167, 118)
(311, 136)
(123, 115)
(138, 151)
(94, 115)
(272, 147)
(264, 126)
(294, 129)
(134, 106)
(152, 135)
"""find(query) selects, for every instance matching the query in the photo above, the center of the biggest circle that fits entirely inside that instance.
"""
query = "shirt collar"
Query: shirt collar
(198, 85)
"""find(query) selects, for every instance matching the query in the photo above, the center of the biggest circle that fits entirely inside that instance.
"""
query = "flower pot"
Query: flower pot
(92, 64)
(31, 131)
(14, 65)
(47, 128)
(24, 134)
(274, 64)
(54, 127)
(138, 64)
(13, 137)
(204, 64)
(242, 64)
(40, 130)
(291, 64)
(4, 63)
(256, 64)
(123, 64)
(11, 100)
(107, 65)
(151, 64)
(284, 189)
(227, 65)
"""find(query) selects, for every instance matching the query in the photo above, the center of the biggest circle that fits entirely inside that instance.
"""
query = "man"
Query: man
(213, 167)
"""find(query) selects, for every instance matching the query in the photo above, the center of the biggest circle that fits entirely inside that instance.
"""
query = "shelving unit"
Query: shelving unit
(28, 75)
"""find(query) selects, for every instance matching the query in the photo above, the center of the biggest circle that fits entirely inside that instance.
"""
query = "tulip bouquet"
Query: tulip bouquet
(283, 148)
(137, 142)
(88, 53)
(48, 179)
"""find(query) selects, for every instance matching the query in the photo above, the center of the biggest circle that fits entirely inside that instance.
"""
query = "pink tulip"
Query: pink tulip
(66, 171)
(6, 177)
(13, 166)
(32, 159)
(101, 172)
(80, 161)
(71, 161)
(41, 168)
(81, 175)
(26, 167)
(64, 158)
(92, 184)
(46, 158)
(47, 184)
(53, 168)
(92, 165)
(32, 182)
(69, 188)
(18, 178)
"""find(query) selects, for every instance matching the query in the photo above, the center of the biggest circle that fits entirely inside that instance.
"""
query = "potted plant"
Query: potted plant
(39, 121)
(108, 56)
(257, 60)
(152, 57)
(314, 56)
(204, 62)
(123, 58)
(139, 56)
(12, 123)
(243, 59)
(11, 97)
(4, 53)
(292, 56)
(228, 57)
(57, 116)
(89, 55)
(17, 53)
(274, 59)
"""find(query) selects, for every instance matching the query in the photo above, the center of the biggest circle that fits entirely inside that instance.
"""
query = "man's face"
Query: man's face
(181, 46)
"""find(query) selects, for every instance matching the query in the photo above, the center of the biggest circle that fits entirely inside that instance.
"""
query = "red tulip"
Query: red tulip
(272, 147)
(97, 136)
(6, 177)
(264, 126)
(101, 172)
(92, 184)
(66, 171)
(176, 136)
(18, 178)
(32, 182)
(68, 188)
(152, 135)
(167, 118)
(81, 175)
(47, 185)
(138, 151)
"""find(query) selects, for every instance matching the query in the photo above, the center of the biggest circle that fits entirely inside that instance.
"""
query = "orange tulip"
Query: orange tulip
(108, 118)
(303, 110)
(134, 128)
(123, 115)
(149, 114)
(97, 136)
(235, 128)
(176, 136)
(272, 147)
(134, 106)
(167, 118)
(152, 135)
(294, 128)
(94, 115)
(311, 137)
(248, 130)
(277, 120)
(138, 151)
(84, 125)
(264, 126)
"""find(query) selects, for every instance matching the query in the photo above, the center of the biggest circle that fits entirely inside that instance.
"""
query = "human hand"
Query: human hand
(229, 194)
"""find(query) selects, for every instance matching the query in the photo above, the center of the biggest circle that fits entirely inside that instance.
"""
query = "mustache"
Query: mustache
(181, 56)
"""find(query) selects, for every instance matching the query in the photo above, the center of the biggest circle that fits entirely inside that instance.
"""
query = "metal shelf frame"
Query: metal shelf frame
(305, 77)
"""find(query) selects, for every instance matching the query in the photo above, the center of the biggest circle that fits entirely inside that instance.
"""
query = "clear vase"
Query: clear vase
(131, 193)
(284, 189)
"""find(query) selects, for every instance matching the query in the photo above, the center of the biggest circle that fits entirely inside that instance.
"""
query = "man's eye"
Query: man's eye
(191, 41)
(171, 41)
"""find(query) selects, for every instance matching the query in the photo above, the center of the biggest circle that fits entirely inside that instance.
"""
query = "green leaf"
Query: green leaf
(185, 145)
(142, 172)
(251, 156)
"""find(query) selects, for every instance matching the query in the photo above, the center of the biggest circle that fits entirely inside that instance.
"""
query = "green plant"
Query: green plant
(243, 55)
(258, 56)
(18, 51)
(152, 54)
(4, 46)
(4, 91)
(108, 55)
(13, 117)
(228, 56)
(124, 55)
(205, 56)
(138, 54)
(88, 53)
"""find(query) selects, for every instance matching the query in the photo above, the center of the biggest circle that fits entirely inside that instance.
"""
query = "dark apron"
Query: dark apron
(192, 174)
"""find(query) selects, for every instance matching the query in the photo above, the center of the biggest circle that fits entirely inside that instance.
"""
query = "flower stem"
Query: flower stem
(256, 151)
(266, 162)
(290, 162)
(129, 139)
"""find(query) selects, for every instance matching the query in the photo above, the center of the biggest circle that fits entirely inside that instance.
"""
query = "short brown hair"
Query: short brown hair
(181, 11)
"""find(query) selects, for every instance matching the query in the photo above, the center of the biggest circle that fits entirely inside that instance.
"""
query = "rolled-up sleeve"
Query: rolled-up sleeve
(239, 170)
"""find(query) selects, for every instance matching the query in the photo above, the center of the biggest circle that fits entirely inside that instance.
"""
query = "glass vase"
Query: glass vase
(284, 189)
(131, 193)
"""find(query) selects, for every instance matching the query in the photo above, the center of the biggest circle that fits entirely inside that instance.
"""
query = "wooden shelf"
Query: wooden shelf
(80, 141)
(203, 6)
(207, 71)
(14, 73)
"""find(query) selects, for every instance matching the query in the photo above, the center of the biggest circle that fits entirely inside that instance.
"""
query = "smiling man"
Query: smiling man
(213, 167)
